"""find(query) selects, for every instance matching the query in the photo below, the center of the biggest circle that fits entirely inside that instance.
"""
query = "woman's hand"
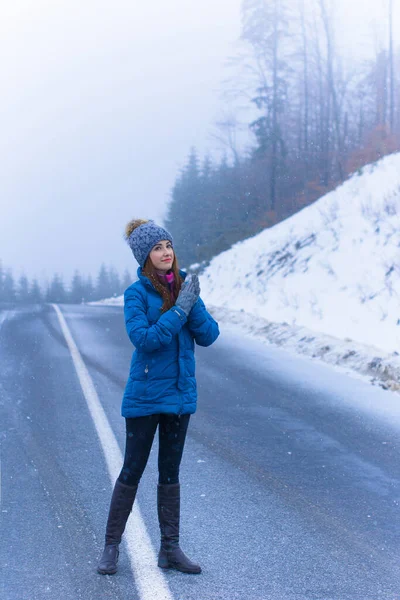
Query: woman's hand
(190, 291)
(195, 280)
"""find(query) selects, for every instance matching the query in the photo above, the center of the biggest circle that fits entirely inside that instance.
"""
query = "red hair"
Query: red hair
(150, 272)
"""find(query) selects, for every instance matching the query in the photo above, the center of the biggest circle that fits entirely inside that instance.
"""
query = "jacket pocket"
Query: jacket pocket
(139, 367)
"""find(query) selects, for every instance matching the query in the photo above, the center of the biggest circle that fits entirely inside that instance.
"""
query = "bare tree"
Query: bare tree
(304, 39)
(391, 67)
(322, 107)
(226, 134)
(264, 28)
(330, 51)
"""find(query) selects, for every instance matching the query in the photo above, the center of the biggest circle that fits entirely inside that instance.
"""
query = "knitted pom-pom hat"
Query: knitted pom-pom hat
(142, 235)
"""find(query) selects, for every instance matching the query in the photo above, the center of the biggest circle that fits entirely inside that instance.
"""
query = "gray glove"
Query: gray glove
(194, 278)
(189, 294)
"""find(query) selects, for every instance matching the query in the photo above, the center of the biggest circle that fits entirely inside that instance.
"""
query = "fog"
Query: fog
(100, 105)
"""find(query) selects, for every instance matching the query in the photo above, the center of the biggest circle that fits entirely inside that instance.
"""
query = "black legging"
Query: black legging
(139, 439)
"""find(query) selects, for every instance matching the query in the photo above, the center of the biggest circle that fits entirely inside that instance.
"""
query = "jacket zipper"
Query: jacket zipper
(147, 379)
(180, 393)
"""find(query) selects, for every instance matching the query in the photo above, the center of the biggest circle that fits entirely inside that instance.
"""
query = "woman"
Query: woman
(164, 316)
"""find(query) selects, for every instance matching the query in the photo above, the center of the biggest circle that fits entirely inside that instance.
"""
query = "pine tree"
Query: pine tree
(206, 169)
(186, 196)
(126, 280)
(89, 291)
(1, 282)
(56, 291)
(102, 284)
(9, 292)
(114, 282)
(77, 291)
(35, 293)
(265, 28)
(23, 290)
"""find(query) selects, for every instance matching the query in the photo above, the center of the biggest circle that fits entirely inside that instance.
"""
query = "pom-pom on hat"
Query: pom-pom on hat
(142, 236)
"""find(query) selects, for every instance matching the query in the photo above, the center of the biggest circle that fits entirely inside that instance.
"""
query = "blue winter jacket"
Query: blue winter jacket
(162, 371)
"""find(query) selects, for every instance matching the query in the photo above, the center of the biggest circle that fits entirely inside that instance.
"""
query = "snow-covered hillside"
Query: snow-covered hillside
(334, 267)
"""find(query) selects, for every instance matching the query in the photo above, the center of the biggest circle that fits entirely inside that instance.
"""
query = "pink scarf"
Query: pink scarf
(168, 280)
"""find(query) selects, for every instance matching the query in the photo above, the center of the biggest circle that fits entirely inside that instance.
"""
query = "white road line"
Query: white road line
(7, 314)
(3, 317)
(149, 580)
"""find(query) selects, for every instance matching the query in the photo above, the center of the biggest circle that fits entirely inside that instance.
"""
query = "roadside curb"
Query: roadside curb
(382, 368)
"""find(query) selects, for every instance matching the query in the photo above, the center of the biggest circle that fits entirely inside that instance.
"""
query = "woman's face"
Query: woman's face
(162, 256)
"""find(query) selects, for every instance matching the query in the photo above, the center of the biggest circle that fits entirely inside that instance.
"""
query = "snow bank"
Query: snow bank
(333, 268)
(356, 359)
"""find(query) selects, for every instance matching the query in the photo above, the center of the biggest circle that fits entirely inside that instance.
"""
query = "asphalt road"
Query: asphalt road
(290, 487)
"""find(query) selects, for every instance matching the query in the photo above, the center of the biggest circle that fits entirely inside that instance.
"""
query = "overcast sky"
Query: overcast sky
(100, 104)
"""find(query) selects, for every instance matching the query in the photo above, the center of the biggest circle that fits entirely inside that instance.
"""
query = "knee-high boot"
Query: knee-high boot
(121, 504)
(170, 555)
